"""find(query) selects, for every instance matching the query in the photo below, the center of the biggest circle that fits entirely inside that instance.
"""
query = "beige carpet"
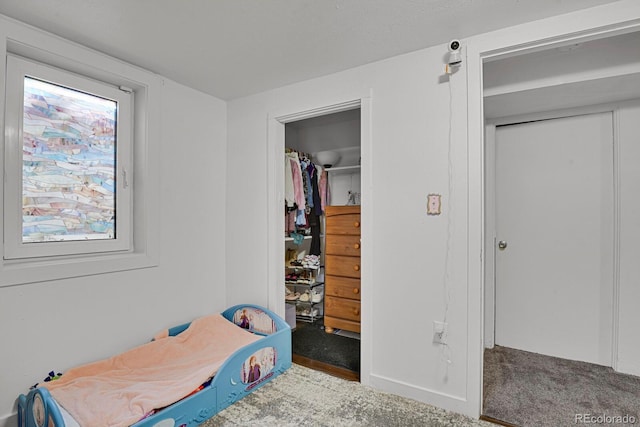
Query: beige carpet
(534, 390)
(304, 397)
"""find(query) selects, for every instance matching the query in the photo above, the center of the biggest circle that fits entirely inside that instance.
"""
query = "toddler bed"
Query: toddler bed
(186, 375)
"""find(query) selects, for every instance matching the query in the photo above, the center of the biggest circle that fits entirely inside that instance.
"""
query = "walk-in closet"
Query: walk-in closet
(322, 241)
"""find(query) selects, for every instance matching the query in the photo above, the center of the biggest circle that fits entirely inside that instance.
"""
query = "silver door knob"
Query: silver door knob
(502, 245)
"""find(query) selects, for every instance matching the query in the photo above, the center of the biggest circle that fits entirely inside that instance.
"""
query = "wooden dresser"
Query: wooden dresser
(342, 268)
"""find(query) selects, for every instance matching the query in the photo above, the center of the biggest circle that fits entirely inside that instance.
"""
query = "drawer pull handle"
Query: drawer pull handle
(356, 246)
(356, 311)
(356, 291)
(356, 224)
(356, 267)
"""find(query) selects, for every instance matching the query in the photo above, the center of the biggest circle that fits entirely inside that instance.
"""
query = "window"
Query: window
(68, 153)
(81, 192)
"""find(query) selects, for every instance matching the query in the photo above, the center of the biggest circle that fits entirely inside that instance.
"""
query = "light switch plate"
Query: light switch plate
(434, 204)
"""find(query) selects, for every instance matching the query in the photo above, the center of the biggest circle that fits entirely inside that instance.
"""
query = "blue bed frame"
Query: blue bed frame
(37, 408)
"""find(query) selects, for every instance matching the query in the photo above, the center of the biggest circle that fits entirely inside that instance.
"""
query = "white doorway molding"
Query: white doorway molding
(526, 38)
(275, 190)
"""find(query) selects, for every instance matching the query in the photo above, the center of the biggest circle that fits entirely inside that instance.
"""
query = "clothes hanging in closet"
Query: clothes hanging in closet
(306, 194)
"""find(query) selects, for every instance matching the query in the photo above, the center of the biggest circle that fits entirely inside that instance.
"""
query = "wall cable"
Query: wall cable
(446, 352)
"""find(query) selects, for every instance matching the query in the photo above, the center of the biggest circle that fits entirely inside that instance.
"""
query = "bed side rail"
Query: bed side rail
(255, 318)
(37, 409)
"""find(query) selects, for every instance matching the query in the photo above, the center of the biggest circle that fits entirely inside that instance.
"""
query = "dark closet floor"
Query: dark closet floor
(334, 354)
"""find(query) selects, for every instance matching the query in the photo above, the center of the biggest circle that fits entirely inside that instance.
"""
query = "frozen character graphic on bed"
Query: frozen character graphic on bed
(259, 365)
(254, 370)
(244, 320)
(251, 323)
(254, 320)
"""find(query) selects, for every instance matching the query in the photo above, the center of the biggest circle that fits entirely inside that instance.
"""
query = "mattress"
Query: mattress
(68, 419)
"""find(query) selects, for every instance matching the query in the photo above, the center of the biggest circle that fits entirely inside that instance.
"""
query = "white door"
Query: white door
(554, 210)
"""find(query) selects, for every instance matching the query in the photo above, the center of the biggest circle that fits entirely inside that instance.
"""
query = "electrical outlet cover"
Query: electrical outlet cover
(439, 332)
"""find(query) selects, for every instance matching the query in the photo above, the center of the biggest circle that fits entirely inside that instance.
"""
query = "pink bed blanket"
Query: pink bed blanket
(121, 390)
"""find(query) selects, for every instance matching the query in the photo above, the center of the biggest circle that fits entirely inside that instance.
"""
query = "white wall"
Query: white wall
(409, 155)
(629, 245)
(420, 264)
(58, 324)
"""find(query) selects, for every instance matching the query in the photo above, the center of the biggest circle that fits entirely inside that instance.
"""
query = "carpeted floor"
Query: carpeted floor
(311, 341)
(529, 389)
(304, 397)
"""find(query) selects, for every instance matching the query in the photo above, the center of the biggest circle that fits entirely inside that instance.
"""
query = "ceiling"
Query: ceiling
(234, 48)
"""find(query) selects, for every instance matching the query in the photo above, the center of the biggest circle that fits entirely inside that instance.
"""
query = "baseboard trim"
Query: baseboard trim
(497, 421)
(432, 397)
(336, 371)
(10, 420)
(628, 368)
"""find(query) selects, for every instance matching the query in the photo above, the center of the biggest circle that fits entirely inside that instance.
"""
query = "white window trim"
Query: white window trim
(17, 69)
(22, 40)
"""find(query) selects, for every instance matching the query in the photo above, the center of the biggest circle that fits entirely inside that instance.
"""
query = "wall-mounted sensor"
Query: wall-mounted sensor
(455, 57)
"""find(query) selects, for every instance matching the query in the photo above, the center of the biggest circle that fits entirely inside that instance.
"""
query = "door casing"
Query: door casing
(276, 121)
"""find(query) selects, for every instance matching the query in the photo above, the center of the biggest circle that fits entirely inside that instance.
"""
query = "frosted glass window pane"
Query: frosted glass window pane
(69, 164)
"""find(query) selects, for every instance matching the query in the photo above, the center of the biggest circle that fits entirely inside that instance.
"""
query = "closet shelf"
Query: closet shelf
(290, 239)
(343, 170)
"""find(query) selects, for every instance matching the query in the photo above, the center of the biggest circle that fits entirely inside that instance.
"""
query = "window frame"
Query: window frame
(38, 45)
(15, 248)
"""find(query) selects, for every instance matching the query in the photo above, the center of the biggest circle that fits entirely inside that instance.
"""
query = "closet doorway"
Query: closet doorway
(322, 164)
(548, 113)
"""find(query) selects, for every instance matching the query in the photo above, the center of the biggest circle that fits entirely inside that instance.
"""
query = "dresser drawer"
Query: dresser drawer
(343, 245)
(342, 287)
(342, 308)
(333, 210)
(335, 322)
(338, 265)
(343, 223)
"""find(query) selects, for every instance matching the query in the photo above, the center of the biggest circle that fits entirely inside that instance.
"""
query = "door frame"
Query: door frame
(490, 213)
(275, 221)
(480, 49)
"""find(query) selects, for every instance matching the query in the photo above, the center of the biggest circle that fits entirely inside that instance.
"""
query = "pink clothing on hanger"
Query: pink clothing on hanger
(289, 222)
(297, 182)
(289, 193)
(323, 188)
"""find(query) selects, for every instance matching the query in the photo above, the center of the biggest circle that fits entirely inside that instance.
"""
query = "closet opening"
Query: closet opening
(556, 122)
(321, 274)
